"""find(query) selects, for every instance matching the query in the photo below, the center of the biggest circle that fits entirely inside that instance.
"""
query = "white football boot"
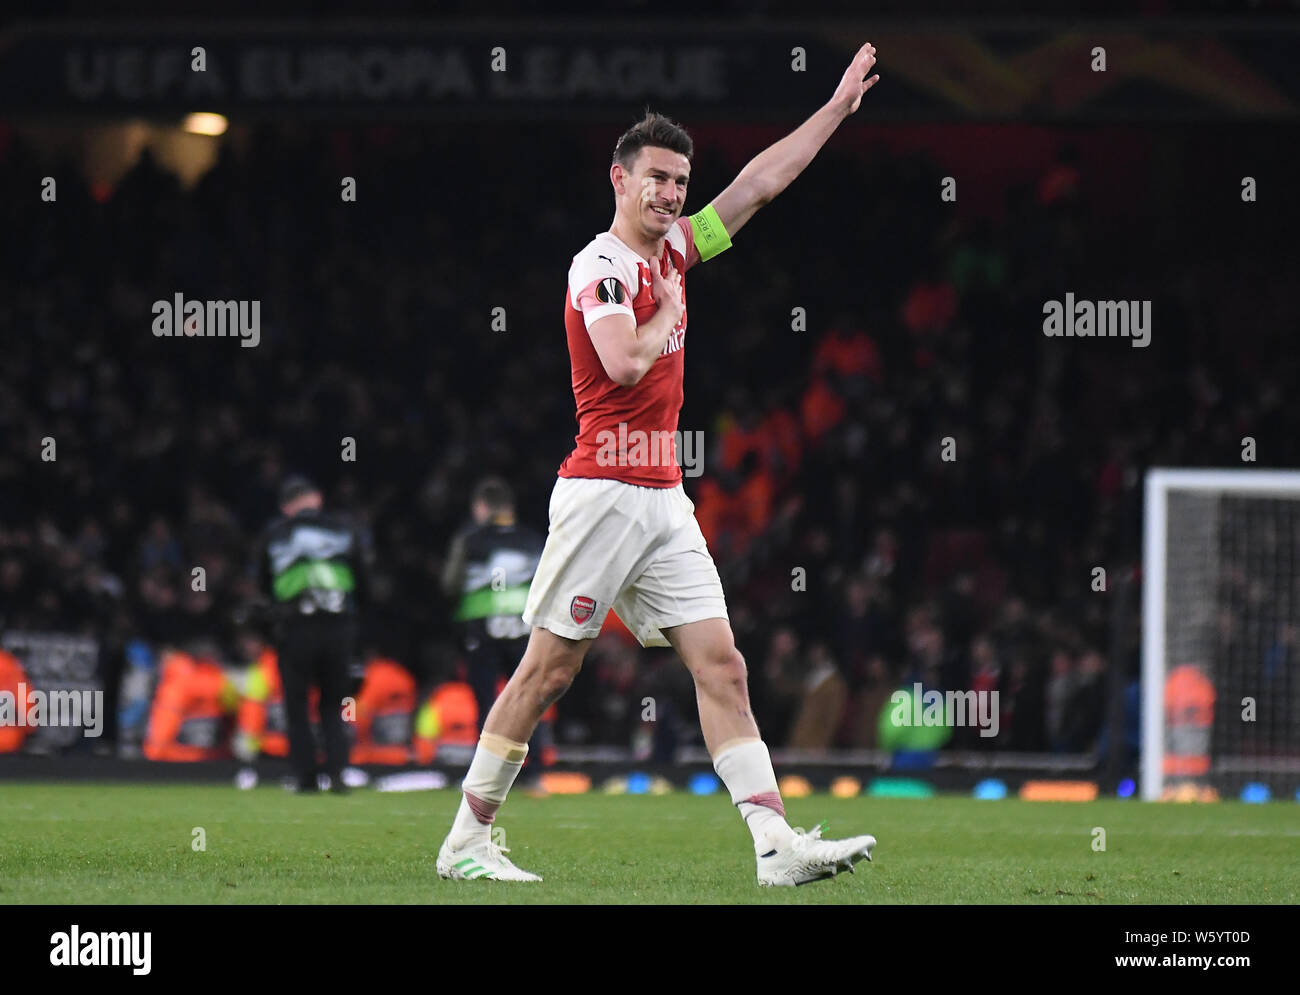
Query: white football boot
(808, 858)
(483, 859)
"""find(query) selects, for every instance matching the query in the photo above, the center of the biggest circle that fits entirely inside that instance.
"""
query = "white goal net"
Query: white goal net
(1220, 613)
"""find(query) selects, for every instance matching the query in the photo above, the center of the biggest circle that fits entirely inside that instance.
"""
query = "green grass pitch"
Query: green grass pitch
(115, 843)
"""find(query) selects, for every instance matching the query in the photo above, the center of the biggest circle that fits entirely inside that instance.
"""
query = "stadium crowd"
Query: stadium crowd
(916, 485)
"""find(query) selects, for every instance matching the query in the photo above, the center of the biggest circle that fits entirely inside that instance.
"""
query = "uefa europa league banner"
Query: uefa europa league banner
(579, 70)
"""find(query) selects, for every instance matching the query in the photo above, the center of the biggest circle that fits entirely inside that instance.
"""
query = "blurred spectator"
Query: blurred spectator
(13, 684)
(781, 687)
(385, 714)
(192, 710)
(1061, 688)
(448, 717)
(862, 722)
(1087, 706)
(138, 682)
(262, 727)
(824, 696)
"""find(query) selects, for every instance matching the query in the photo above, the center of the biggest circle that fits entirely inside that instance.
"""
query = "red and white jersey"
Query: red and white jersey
(625, 433)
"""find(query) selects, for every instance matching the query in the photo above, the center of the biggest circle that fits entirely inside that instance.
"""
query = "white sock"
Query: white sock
(497, 762)
(745, 767)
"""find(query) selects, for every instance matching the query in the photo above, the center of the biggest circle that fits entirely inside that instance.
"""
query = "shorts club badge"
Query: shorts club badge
(582, 608)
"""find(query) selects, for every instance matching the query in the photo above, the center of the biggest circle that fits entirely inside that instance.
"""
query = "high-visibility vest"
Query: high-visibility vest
(188, 721)
(384, 713)
(11, 676)
(1189, 718)
(263, 723)
(449, 716)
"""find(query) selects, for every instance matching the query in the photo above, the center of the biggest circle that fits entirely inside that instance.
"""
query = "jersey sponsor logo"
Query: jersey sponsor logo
(309, 542)
(611, 261)
(582, 608)
(609, 291)
(503, 569)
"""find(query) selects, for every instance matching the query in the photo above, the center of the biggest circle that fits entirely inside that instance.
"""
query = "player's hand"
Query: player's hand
(852, 86)
(667, 292)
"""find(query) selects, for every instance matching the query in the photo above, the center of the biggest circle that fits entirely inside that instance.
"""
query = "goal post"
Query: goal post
(1219, 605)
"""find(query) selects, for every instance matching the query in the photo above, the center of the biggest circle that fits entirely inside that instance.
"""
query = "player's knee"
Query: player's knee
(722, 671)
(735, 670)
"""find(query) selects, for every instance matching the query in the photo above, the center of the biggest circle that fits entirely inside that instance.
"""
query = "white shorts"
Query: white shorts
(636, 550)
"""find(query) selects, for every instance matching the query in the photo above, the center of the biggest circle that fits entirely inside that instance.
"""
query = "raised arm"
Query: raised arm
(775, 168)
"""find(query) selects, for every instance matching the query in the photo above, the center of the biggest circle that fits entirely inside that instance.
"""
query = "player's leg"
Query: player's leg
(708, 649)
(740, 757)
(490, 663)
(597, 541)
(481, 668)
(510, 652)
(295, 678)
(677, 598)
(549, 665)
(333, 654)
(784, 857)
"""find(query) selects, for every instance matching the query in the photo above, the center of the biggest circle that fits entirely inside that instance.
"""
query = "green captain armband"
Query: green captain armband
(710, 237)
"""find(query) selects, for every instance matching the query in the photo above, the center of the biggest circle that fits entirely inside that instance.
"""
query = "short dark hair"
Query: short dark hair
(653, 129)
(295, 486)
(495, 493)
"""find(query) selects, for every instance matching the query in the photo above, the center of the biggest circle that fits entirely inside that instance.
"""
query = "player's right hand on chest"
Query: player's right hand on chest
(667, 291)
